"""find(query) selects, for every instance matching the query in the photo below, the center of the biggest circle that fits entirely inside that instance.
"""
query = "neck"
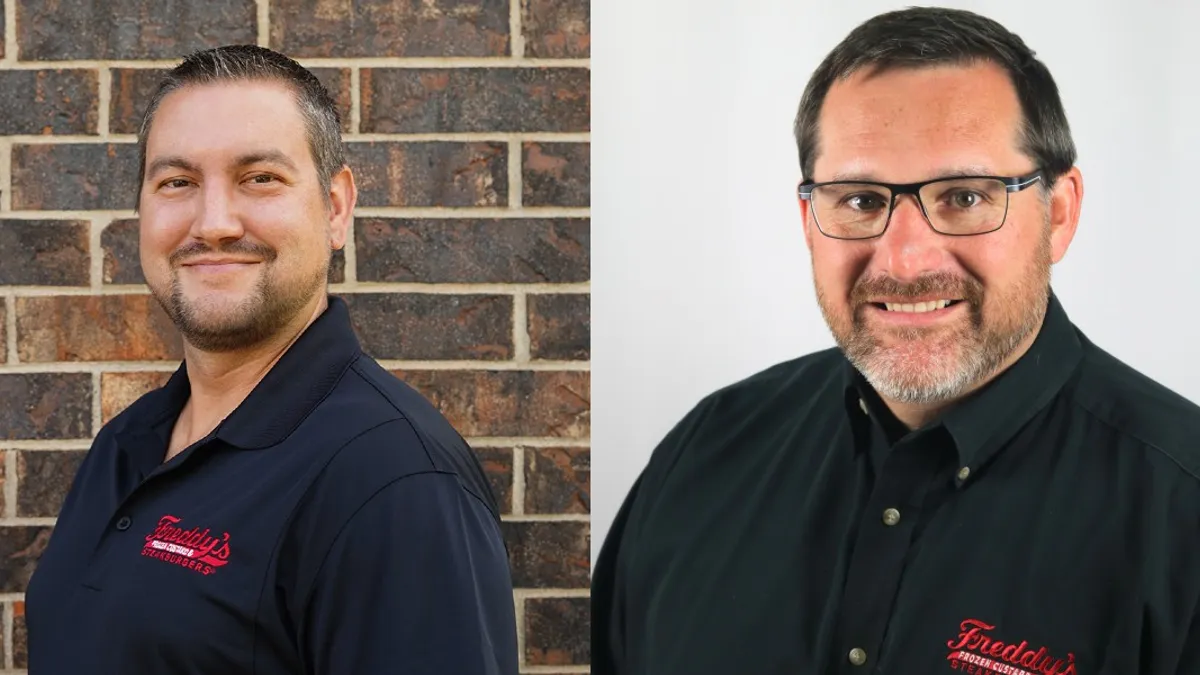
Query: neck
(917, 415)
(220, 381)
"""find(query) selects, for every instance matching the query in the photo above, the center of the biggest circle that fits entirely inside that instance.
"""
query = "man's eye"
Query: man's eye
(262, 179)
(176, 183)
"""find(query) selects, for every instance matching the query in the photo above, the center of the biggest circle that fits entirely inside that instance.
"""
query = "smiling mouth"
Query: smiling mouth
(916, 307)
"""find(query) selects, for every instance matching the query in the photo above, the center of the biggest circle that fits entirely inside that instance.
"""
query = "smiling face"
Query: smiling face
(235, 229)
(909, 125)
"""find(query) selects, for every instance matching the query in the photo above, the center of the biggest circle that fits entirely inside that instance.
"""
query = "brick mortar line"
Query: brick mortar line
(355, 100)
(10, 330)
(48, 446)
(413, 288)
(10, 33)
(350, 258)
(264, 23)
(97, 407)
(516, 32)
(547, 517)
(550, 670)
(518, 490)
(516, 180)
(59, 445)
(27, 522)
(10, 483)
(350, 137)
(519, 606)
(9, 619)
(389, 364)
(551, 593)
(375, 62)
(527, 442)
(6, 181)
(103, 101)
(422, 212)
(520, 328)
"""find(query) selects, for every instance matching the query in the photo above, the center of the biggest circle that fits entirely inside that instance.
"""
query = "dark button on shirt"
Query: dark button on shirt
(789, 524)
(334, 523)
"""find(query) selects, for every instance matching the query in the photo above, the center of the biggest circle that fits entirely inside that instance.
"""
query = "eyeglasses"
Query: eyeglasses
(960, 206)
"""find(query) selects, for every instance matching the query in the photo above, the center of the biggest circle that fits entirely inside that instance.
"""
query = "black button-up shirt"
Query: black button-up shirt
(334, 523)
(1049, 524)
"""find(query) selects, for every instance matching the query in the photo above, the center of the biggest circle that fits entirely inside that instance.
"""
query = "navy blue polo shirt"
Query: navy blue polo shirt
(334, 523)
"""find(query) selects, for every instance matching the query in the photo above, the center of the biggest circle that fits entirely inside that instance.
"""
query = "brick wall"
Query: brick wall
(467, 275)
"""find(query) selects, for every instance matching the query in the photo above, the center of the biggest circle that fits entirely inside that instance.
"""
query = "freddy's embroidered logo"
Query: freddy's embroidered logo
(194, 549)
(977, 652)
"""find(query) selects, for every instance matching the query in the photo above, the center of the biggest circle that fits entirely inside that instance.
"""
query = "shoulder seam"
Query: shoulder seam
(1166, 453)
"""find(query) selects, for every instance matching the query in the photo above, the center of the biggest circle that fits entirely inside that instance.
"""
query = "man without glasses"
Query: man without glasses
(966, 482)
(283, 505)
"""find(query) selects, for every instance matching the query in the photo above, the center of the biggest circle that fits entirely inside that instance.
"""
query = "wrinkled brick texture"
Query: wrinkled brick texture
(467, 270)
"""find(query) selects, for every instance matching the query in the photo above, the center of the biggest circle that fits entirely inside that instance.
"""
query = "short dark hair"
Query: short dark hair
(249, 63)
(927, 36)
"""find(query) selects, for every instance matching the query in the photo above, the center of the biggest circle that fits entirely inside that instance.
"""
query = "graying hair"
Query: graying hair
(928, 36)
(234, 63)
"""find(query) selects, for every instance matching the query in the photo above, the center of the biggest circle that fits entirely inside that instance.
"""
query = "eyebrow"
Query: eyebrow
(948, 172)
(243, 160)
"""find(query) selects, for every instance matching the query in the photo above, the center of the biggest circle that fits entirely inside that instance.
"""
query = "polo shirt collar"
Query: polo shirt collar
(982, 423)
(289, 392)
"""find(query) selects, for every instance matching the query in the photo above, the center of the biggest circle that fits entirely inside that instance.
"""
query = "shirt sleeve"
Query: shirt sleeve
(416, 582)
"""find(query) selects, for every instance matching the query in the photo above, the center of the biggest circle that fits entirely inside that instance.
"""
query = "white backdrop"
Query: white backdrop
(700, 273)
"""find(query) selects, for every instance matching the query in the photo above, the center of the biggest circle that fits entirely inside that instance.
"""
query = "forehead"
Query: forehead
(228, 118)
(910, 122)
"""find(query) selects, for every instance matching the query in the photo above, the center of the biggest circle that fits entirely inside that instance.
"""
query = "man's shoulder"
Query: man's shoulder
(792, 382)
(1139, 406)
(399, 433)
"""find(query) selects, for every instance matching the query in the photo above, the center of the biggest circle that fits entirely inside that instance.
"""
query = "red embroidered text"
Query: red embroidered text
(194, 549)
(977, 652)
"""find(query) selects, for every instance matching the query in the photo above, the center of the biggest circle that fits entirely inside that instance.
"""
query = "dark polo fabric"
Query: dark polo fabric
(333, 524)
(1049, 524)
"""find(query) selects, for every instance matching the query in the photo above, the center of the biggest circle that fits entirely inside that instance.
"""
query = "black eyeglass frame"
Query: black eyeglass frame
(1012, 184)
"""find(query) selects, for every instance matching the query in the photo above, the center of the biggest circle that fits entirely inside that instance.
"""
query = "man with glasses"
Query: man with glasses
(966, 482)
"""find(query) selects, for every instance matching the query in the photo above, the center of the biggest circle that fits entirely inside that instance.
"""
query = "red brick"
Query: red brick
(432, 326)
(496, 250)
(43, 479)
(119, 390)
(49, 101)
(556, 29)
(119, 241)
(556, 174)
(20, 637)
(95, 328)
(430, 173)
(132, 89)
(558, 480)
(74, 176)
(20, 548)
(412, 100)
(559, 325)
(129, 29)
(42, 406)
(557, 631)
(497, 465)
(507, 402)
(44, 252)
(548, 554)
(387, 28)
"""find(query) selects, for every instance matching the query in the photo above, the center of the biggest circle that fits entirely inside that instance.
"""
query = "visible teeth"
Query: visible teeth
(918, 307)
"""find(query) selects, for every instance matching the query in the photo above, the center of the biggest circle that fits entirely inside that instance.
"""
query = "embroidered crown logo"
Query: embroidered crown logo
(977, 652)
(194, 549)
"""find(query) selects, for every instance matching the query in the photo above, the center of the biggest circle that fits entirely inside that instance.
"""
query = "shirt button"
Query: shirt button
(863, 404)
(891, 517)
(964, 472)
(124, 523)
(858, 656)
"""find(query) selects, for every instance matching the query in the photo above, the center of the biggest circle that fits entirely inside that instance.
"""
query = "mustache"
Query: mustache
(196, 249)
(942, 284)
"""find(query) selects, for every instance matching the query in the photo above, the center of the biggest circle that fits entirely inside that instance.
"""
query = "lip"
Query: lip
(219, 266)
(915, 319)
